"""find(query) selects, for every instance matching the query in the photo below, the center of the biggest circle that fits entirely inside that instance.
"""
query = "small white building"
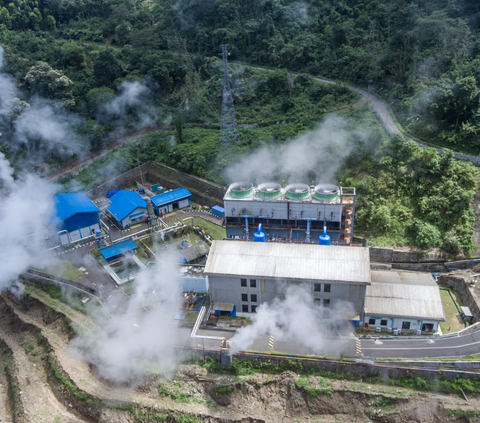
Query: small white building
(409, 301)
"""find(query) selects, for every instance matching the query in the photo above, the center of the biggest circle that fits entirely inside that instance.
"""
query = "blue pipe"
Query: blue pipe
(246, 226)
(307, 238)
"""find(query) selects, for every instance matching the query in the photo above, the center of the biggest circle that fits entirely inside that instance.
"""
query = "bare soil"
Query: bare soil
(52, 385)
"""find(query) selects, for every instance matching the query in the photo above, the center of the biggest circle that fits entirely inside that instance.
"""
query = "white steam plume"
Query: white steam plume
(26, 210)
(134, 99)
(134, 341)
(298, 319)
(316, 154)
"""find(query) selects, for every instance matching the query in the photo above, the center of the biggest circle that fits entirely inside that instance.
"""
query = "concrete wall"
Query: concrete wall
(230, 290)
(466, 296)
(407, 260)
(397, 323)
(203, 191)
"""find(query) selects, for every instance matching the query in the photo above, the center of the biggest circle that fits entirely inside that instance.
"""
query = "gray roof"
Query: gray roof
(404, 294)
(195, 251)
(289, 261)
(223, 306)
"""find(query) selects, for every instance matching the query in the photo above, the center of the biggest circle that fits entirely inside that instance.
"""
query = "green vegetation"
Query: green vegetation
(439, 384)
(29, 348)
(215, 231)
(453, 322)
(72, 299)
(224, 389)
(174, 391)
(409, 195)
(63, 270)
(313, 392)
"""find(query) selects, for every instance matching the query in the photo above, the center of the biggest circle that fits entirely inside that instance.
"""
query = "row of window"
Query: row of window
(326, 302)
(253, 298)
(245, 308)
(384, 322)
(253, 283)
(317, 287)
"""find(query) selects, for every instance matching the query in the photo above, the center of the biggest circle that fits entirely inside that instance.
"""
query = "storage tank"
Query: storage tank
(326, 192)
(259, 236)
(297, 192)
(269, 190)
(241, 189)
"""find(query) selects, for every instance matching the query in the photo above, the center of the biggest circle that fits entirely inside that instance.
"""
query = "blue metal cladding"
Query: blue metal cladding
(125, 202)
(171, 197)
(118, 248)
(80, 220)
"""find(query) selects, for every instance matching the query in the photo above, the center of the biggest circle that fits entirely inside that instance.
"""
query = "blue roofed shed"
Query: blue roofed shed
(78, 217)
(127, 208)
(168, 201)
(112, 252)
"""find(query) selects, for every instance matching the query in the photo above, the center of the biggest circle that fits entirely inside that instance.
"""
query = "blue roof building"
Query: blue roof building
(169, 201)
(114, 251)
(127, 208)
(78, 216)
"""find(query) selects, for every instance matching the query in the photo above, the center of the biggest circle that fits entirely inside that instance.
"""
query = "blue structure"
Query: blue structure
(79, 217)
(169, 201)
(324, 239)
(127, 208)
(114, 251)
(218, 211)
(259, 236)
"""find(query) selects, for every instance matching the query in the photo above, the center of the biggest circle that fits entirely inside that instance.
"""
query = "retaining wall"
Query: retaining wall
(466, 296)
(204, 192)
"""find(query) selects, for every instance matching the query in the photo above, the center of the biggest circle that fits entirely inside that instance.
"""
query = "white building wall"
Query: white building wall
(397, 323)
(279, 209)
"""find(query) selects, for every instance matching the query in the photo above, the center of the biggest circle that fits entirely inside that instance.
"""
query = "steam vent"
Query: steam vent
(295, 213)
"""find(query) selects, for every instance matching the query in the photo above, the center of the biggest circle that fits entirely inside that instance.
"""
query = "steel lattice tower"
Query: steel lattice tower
(229, 130)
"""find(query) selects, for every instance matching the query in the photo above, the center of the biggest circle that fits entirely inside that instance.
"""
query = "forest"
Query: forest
(93, 71)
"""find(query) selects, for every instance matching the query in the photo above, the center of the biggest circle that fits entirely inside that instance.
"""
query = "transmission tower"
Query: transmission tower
(229, 130)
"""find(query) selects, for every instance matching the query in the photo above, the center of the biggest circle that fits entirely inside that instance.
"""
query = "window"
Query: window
(316, 301)
(383, 323)
(253, 298)
(326, 303)
(253, 283)
(254, 309)
(372, 322)
(326, 313)
(316, 287)
(406, 325)
(245, 308)
(326, 287)
(244, 297)
(243, 282)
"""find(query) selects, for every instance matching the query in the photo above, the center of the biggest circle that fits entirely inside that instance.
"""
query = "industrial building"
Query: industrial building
(247, 274)
(78, 216)
(169, 201)
(127, 208)
(408, 301)
(296, 213)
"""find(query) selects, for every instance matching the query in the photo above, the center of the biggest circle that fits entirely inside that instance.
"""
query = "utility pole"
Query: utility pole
(229, 130)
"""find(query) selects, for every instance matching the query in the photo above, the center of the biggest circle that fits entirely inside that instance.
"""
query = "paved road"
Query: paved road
(384, 114)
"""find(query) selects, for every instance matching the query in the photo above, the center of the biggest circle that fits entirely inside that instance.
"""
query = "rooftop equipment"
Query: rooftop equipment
(297, 192)
(259, 236)
(241, 189)
(326, 192)
(269, 190)
(324, 239)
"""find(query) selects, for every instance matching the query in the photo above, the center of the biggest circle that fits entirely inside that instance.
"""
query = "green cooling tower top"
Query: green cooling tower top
(241, 190)
(326, 192)
(297, 192)
(269, 190)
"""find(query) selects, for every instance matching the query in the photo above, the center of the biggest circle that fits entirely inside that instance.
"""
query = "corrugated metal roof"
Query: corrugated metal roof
(223, 306)
(404, 294)
(171, 196)
(195, 251)
(289, 261)
(70, 204)
(118, 248)
(125, 202)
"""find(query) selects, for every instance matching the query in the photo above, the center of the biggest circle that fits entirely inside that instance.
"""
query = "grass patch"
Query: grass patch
(452, 318)
(215, 231)
(63, 270)
(29, 348)
(224, 389)
(174, 392)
